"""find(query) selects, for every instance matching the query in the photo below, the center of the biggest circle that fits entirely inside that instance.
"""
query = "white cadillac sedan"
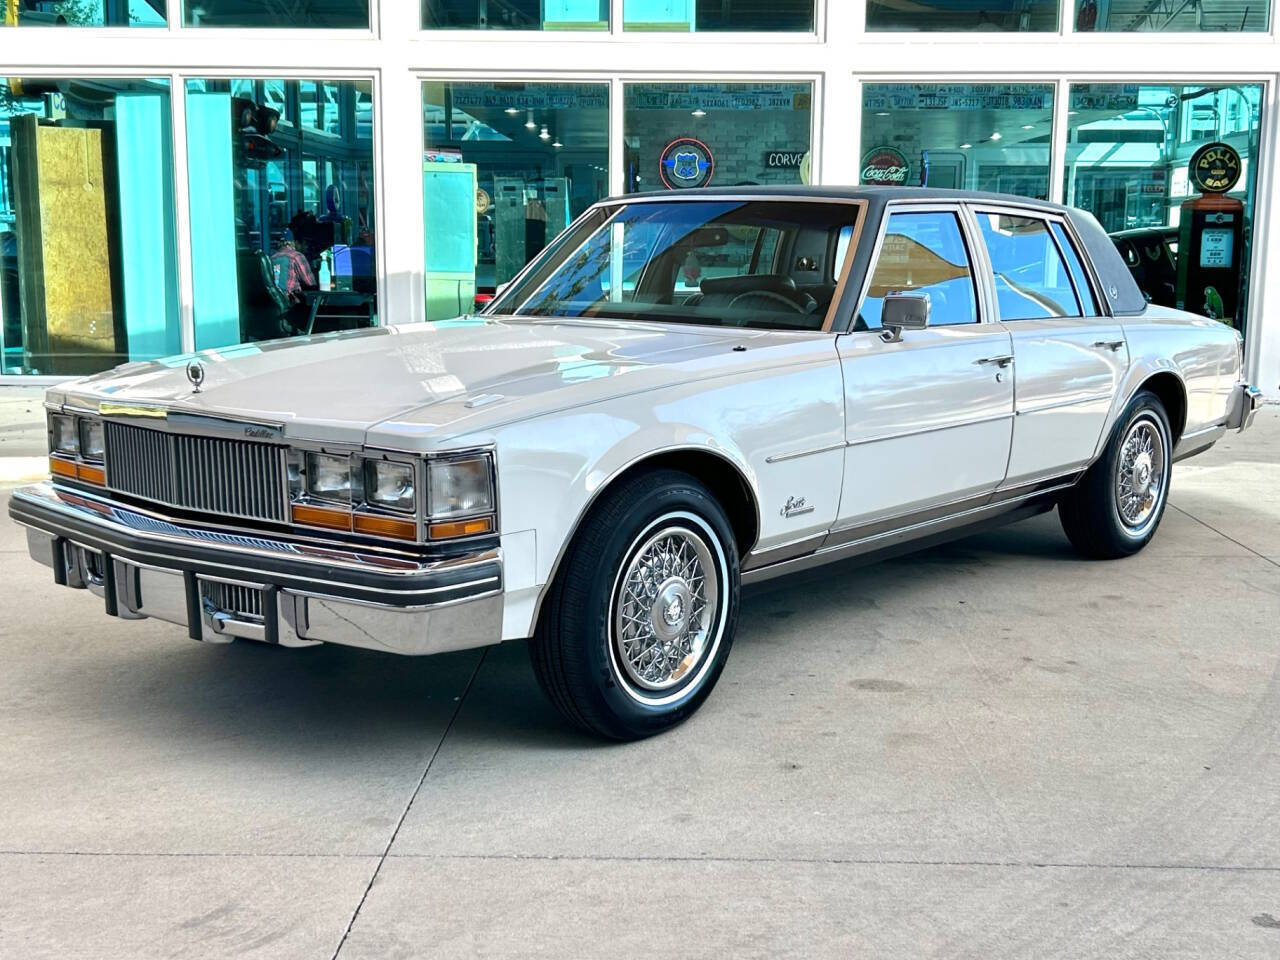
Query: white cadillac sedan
(682, 394)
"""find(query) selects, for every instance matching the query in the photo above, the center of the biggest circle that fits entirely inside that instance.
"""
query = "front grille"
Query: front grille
(242, 602)
(232, 478)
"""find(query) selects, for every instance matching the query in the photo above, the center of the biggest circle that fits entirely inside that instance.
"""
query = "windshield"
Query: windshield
(773, 264)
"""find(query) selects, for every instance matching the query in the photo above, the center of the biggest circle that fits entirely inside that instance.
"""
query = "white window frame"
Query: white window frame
(397, 55)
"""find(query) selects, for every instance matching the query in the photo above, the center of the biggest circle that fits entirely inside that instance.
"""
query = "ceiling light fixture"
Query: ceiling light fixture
(699, 113)
(996, 136)
(529, 124)
(512, 111)
(544, 135)
(965, 146)
(1028, 126)
(557, 144)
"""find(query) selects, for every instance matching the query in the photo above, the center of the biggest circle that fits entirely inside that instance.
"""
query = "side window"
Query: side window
(1077, 270)
(1032, 282)
(923, 253)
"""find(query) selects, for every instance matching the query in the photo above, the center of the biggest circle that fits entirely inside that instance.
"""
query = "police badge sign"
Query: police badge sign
(686, 163)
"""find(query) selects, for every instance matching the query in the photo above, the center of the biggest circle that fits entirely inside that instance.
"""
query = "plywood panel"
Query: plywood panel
(64, 248)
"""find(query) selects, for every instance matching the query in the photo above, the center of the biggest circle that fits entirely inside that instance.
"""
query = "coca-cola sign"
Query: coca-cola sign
(885, 165)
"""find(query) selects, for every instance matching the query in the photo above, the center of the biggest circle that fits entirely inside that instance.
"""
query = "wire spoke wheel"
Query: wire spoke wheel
(665, 605)
(1141, 474)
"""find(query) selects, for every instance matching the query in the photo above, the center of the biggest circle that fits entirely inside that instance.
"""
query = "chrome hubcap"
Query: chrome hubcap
(665, 607)
(1140, 474)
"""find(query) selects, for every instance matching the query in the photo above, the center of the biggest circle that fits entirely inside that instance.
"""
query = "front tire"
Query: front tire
(1117, 506)
(640, 620)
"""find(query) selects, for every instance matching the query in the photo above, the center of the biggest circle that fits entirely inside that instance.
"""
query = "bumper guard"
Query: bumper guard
(1245, 401)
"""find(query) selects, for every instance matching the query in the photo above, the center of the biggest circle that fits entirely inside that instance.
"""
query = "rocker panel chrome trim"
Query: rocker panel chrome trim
(867, 538)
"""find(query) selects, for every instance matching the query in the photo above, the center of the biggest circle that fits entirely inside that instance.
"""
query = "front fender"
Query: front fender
(550, 475)
(551, 469)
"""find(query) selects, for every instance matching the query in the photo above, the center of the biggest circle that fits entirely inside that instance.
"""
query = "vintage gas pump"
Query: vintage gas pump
(1211, 235)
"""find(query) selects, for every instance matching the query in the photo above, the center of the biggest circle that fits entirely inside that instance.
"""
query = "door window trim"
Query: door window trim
(1093, 296)
(1046, 217)
(956, 207)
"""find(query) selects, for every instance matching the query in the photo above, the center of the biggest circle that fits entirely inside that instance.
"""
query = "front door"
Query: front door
(1070, 357)
(928, 419)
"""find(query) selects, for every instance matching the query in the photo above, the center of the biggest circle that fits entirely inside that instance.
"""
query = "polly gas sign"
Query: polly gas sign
(885, 165)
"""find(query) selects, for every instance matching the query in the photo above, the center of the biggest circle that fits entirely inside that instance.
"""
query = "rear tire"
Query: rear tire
(1117, 506)
(640, 619)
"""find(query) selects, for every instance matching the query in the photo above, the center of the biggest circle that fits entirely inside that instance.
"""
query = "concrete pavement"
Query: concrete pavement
(992, 749)
(23, 444)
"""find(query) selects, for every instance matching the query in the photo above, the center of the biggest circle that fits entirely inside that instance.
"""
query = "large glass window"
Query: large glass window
(87, 246)
(1218, 16)
(922, 253)
(959, 16)
(769, 264)
(299, 15)
(84, 13)
(1128, 153)
(718, 15)
(508, 167)
(681, 135)
(515, 14)
(282, 211)
(984, 136)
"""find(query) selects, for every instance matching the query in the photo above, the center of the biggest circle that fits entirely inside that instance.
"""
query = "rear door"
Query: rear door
(1069, 356)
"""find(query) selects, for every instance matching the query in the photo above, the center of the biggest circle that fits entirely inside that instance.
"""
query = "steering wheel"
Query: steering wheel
(772, 300)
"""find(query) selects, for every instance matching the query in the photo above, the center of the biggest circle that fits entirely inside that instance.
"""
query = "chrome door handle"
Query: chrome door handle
(1113, 345)
(1001, 361)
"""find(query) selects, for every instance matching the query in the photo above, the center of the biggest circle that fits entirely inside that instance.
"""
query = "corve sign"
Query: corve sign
(885, 165)
(784, 159)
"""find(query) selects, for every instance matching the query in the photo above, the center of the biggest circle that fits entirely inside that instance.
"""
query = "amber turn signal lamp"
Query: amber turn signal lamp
(386, 526)
(322, 517)
(460, 528)
(94, 475)
(62, 468)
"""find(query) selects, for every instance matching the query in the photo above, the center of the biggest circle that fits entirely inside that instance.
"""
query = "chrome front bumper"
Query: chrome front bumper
(1245, 401)
(145, 566)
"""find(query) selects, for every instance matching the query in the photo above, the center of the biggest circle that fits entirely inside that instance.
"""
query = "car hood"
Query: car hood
(423, 375)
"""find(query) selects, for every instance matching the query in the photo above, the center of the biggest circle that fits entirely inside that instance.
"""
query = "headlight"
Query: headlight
(457, 488)
(92, 446)
(331, 478)
(389, 484)
(66, 439)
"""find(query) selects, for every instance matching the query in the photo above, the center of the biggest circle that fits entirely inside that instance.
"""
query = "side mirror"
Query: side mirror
(903, 311)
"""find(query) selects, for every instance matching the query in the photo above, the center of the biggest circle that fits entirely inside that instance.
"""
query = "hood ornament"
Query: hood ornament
(195, 374)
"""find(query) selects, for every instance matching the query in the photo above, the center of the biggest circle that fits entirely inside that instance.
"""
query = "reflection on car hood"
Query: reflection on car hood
(436, 375)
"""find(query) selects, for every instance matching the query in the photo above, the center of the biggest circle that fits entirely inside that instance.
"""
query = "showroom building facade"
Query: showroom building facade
(207, 174)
